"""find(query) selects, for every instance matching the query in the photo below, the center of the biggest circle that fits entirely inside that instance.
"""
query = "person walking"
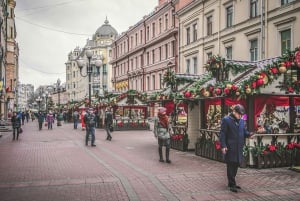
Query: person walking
(90, 122)
(16, 125)
(40, 117)
(50, 120)
(232, 137)
(75, 118)
(108, 120)
(161, 131)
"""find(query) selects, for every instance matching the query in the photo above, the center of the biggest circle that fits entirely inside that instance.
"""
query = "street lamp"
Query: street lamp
(59, 116)
(39, 100)
(93, 61)
(46, 95)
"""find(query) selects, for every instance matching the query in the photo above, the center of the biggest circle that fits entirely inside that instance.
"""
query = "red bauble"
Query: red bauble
(211, 88)
(253, 85)
(218, 91)
(288, 64)
(187, 94)
(291, 90)
(234, 88)
(260, 82)
(226, 91)
(274, 70)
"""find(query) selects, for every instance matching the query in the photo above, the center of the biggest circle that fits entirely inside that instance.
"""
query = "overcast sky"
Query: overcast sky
(47, 30)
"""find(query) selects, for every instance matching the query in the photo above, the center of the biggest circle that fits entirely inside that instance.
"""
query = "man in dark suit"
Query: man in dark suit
(108, 123)
(232, 137)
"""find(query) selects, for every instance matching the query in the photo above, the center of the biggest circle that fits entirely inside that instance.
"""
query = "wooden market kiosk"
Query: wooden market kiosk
(130, 111)
(269, 90)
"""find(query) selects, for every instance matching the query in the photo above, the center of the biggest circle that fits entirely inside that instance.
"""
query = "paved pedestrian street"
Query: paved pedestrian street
(55, 165)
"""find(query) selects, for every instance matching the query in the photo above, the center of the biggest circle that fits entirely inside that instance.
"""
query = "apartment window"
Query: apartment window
(283, 2)
(73, 74)
(209, 54)
(141, 36)
(229, 16)
(188, 39)
(253, 8)
(159, 53)
(148, 32)
(188, 63)
(153, 56)
(173, 18)
(131, 64)
(148, 58)
(160, 81)
(166, 21)
(131, 42)
(209, 25)
(148, 83)
(159, 25)
(253, 50)
(195, 26)
(173, 48)
(229, 52)
(136, 62)
(195, 62)
(153, 30)
(136, 39)
(285, 40)
(166, 51)
(153, 82)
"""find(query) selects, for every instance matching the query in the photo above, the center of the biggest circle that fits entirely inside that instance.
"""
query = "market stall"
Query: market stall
(130, 111)
(269, 90)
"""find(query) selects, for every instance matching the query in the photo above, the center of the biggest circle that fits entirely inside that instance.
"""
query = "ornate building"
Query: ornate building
(240, 30)
(142, 54)
(9, 52)
(100, 44)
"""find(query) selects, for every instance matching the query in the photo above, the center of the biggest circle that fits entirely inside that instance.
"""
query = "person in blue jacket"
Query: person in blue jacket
(232, 138)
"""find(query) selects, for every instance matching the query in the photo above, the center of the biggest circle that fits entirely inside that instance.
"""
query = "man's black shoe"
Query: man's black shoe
(233, 189)
(236, 186)
(93, 145)
(161, 160)
(168, 161)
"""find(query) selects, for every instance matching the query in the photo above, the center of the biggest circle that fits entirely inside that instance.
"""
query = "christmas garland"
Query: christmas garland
(257, 81)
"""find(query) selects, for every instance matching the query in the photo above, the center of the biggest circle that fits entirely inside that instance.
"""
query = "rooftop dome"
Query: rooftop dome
(106, 30)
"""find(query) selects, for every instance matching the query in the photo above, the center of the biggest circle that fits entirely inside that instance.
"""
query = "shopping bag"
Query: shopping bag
(46, 124)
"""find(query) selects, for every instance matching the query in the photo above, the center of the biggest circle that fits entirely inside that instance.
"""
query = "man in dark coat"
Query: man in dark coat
(232, 137)
(16, 125)
(108, 123)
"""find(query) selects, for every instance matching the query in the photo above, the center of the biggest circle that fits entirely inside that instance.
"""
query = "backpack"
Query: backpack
(91, 120)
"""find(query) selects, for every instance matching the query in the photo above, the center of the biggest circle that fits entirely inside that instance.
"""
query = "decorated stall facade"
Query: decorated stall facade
(130, 111)
(269, 90)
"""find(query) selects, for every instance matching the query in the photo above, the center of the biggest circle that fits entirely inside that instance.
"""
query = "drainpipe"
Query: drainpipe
(219, 46)
(266, 54)
(262, 28)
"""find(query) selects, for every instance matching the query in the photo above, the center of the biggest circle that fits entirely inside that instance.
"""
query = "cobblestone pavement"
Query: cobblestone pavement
(55, 165)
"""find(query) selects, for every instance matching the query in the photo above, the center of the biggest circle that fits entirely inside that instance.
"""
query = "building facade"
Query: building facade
(239, 30)
(9, 52)
(100, 44)
(25, 94)
(142, 54)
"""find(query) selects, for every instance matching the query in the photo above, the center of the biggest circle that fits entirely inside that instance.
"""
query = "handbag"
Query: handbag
(111, 128)
(163, 134)
(20, 130)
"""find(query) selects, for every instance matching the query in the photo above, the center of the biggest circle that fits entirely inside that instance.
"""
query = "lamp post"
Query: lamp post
(46, 95)
(59, 115)
(92, 62)
(39, 100)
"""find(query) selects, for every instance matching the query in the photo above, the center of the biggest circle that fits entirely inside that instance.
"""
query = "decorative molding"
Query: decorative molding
(255, 31)
(285, 21)
(209, 47)
(229, 40)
